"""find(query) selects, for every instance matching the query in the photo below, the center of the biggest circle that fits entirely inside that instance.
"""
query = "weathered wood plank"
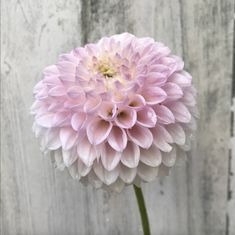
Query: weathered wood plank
(36, 199)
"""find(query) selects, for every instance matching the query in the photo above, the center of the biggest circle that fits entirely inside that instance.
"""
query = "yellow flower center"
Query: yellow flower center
(106, 70)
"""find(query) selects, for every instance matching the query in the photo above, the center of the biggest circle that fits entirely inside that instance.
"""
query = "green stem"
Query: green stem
(142, 209)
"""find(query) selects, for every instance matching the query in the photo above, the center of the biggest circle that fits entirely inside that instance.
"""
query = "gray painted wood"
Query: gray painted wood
(37, 199)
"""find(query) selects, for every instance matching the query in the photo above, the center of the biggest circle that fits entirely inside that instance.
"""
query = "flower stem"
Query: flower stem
(142, 209)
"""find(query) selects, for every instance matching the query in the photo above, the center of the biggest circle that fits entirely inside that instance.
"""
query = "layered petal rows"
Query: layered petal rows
(116, 112)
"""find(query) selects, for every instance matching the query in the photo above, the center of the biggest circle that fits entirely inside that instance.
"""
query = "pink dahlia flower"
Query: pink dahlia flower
(116, 112)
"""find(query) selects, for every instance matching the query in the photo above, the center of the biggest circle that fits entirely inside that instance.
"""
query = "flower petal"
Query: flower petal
(78, 120)
(92, 104)
(164, 115)
(182, 78)
(151, 157)
(146, 117)
(147, 173)
(53, 139)
(86, 152)
(161, 138)
(69, 156)
(98, 130)
(154, 95)
(108, 177)
(177, 133)
(127, 174)
(169, 158)
(68, 137)
(180, 112)
(110, 158)
(117, 139)
(173, 91)
(141, 136)
(126, 118)
(45, 120)
(131, 155)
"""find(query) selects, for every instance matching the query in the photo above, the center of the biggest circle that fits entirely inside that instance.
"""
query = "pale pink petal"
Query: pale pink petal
(53, 139)
(173, 91)
(57, 91)
(183, 79)
(86, 152)
(136, 102)
(147, 173)
(45, 120)
(169, 158)
(66, 67)
(107, 110)
(83, 170)
(126, 118)
(154, 95)
(92, 104)
(151, 156)
(68, 137)
(177, 133)
(98, 130)
(78, 120)
(164, 115)
(76, 92)
(127, 174)
(69, 156)
(131, 155)
(146, 117)
(180, 112)
(117, 139)
(162, 138)
(108, 177)
(141, 136)
(110, 158)
(60, 118)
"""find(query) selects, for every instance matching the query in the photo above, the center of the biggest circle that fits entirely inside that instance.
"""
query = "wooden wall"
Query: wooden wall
(197, 199)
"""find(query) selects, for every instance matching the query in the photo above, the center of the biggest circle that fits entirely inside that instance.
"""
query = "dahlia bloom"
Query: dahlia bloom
(116, 112)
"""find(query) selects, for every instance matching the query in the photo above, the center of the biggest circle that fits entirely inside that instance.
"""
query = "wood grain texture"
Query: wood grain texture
(38, 200)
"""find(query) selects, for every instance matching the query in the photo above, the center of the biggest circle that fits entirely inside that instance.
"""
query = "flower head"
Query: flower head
(116, 112)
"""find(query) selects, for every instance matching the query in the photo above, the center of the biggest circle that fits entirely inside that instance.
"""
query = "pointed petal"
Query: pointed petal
(57, 91)
(83, 170)
(168, 159)
(78, 120)
(154, 95)
(173, 91)
(182, 78)
(110, 158)
(146, 117)
(141, 136)
(164, 115)
(147, 173)
(68, 137)
(161, 138)
(127, 174)
(69, 156)
(126, 118)
(151, 157)
(131, 155)
(92, 104)
(117, 139)
(180, 112)
(177, 133)
(136, 102)
(108, 177)
(98, 130)
(53, 139)
(45, 120)
(86, 152)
